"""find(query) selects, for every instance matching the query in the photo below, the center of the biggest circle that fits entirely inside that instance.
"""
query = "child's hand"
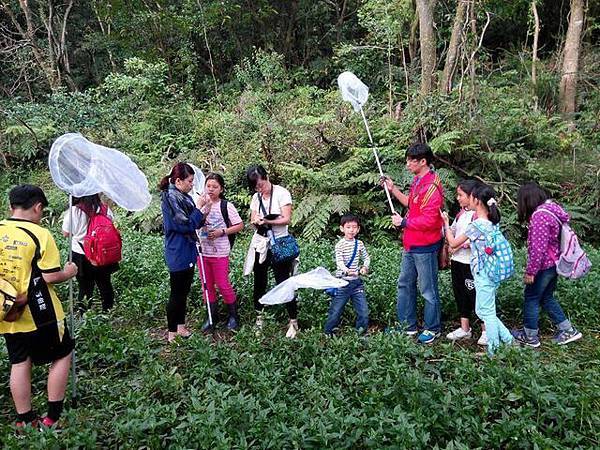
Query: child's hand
(352, 272)
(528, 279)
(445, 217)
(364, 270)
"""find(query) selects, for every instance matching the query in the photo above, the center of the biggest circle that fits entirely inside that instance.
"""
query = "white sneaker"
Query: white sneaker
(459, 333)
(292, 329)
(483, 339)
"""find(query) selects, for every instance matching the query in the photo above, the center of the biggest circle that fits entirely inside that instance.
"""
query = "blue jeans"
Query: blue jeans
(421, 268)
(485, 308)
(541, 293)
(355, 290)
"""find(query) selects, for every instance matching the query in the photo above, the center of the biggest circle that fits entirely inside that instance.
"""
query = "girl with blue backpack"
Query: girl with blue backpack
(544, 218)
(491, 260)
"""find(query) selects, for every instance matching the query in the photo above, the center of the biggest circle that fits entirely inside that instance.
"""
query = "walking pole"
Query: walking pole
(203, 279)
(71, 310)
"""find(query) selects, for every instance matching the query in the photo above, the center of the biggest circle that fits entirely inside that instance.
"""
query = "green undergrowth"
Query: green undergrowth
(380, 391)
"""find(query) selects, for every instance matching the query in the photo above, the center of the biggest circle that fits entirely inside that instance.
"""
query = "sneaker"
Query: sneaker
(458, 334)
(427, 337)
(482, 339)
(399, 329)
(564, 337)
(292, 329)
(21, 426)
(522, 338)
(47, 422)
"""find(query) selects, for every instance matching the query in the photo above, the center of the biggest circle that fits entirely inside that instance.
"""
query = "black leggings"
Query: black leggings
(89, 276)
(261, 276)
(181, 283)
(464, 288)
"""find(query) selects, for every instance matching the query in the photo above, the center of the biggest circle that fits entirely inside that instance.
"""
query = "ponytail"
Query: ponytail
(487, 196)
(179, 171)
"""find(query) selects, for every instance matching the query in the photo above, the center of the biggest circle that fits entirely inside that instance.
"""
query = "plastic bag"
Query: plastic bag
(81, 168)
(353, 90)
(318, 278)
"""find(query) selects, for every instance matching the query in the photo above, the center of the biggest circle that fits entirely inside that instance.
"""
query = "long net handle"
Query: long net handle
(385, 188)
(71, 309)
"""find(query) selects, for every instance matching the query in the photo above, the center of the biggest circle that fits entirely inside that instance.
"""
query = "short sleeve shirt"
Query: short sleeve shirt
(281, 198)
(80, 226)
(215, 221)
(459, 226)
(17, 252)
(476, 232)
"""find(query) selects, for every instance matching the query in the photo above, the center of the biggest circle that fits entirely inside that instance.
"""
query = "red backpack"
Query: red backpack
(102, 243)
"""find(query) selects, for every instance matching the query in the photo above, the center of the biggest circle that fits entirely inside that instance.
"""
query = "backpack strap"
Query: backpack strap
(227, 220)
(349, 263)
(560, 222)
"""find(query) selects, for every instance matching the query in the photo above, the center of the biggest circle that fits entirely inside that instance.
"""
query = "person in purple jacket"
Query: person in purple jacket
(543, 249)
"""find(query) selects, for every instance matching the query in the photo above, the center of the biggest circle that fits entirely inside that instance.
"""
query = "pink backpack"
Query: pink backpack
(572, 262)
(102, 243)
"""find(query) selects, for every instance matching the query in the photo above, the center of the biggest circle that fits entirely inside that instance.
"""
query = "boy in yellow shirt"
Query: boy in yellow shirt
(30, 262)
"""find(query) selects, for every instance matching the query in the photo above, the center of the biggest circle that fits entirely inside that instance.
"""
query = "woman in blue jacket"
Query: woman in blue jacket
(181, 219)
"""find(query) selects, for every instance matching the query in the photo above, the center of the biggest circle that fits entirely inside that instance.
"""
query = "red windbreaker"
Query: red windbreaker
(423, 223)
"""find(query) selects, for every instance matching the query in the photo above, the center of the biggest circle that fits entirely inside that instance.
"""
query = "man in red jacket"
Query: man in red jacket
(422, 241)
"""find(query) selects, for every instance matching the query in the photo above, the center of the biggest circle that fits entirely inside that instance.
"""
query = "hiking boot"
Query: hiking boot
(292, 329)
(428, 336)
(232, 321)
(482, 339)
(459, 334)
(207, 327)
(522, 338)
(565, 336)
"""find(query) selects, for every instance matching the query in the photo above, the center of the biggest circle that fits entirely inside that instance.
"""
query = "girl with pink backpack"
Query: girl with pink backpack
(545, 220)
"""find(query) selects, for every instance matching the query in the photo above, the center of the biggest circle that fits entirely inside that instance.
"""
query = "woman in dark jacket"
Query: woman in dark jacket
(181, 219)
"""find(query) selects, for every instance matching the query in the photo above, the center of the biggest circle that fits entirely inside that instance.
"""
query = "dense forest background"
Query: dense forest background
(505, 91)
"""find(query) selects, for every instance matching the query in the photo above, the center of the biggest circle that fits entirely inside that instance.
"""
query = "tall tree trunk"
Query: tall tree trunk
(413, 41)
(427, 37)
(453, 48)
(536, 34)
(568, 81)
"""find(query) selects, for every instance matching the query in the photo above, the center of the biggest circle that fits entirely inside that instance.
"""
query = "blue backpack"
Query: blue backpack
(497, 259)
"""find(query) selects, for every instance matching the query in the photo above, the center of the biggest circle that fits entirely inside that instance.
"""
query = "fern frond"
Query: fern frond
(445, 142)
(317, 223)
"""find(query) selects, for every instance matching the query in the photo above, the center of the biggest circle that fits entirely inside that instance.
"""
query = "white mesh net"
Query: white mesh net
(81, 168)
(353, 90)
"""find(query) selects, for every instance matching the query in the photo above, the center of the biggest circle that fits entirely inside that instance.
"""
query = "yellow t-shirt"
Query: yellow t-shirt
(26, 251)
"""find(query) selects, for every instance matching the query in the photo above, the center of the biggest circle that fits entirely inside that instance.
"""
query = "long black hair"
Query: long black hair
(467, 186)
(255, 173)
(530, 196)
(487, 196)
(219, 179)
(89, 204)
